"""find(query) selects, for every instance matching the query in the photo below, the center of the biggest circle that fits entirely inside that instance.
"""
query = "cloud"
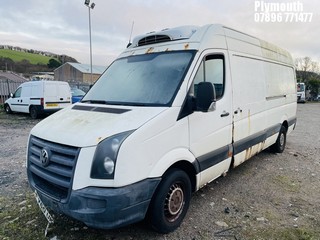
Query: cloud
(62, 26)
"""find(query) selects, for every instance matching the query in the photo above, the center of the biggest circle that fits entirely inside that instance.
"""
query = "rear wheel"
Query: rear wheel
(33, 112)
(7, 109)
(280, 144)
(170, 202)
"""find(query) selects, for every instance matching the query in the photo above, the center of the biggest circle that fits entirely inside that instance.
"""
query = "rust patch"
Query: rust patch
(149, 50)
(254, 150)
(186, 46)
(248, 153)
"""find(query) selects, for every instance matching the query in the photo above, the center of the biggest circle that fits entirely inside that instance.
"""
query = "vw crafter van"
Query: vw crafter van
(176, 110)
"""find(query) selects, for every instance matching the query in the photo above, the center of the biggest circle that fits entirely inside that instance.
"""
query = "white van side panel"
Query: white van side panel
(36, 93)
(265, 96)
(242, 43)
(263, 93)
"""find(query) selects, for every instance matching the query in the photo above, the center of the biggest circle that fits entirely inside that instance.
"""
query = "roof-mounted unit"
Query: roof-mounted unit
(153, 39)
(165, 35)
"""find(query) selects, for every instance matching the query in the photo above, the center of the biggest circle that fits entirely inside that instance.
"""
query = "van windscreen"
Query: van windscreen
(142, 80)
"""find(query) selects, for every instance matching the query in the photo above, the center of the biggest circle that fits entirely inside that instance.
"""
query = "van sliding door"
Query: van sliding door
(249, 101)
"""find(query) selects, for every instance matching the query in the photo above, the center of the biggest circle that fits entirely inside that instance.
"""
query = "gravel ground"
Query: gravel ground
(271, 196)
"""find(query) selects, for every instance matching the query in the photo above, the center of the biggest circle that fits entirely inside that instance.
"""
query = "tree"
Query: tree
(6, 64)
(314, 86)
(305, 69)
(22, 66)
(53, 63)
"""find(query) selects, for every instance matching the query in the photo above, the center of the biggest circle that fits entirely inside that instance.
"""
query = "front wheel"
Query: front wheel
(7, 109)
(170, 202)
(280, 144)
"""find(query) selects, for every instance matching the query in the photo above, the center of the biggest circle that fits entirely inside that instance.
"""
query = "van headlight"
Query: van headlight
(105, 156)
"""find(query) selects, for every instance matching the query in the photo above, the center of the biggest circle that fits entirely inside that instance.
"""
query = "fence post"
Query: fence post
(8, 87)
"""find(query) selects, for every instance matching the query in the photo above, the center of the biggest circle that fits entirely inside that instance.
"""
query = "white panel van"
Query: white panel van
(176, 110)
(39, 97)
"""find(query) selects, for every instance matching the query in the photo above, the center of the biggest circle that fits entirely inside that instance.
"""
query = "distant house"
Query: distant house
(12, 77)
(77, 72)
(9, 82)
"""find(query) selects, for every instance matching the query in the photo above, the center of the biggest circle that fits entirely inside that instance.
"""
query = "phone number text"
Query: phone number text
(276, 17)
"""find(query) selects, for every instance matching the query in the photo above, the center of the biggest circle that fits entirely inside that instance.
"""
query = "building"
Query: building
(77, 72)
(9, 82)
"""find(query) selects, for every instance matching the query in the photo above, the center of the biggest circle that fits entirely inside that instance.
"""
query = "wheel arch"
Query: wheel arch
(7, 108)
(30, 106)
(188, 168)
(285, 124)
(181, 159)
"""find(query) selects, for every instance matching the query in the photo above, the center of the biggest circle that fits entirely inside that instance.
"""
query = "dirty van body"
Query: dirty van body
(39, 97)
(176, 110)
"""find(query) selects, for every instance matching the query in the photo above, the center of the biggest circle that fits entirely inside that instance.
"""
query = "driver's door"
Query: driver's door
(211, 132)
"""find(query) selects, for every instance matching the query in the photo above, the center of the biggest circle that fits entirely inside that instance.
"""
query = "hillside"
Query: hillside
(17, 56)
(27, 61)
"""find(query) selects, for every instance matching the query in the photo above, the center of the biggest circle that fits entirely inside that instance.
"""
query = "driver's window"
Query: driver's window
(17, 93)
(211, 70)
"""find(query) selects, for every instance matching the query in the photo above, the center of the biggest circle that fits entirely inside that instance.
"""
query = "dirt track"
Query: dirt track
(271, 196)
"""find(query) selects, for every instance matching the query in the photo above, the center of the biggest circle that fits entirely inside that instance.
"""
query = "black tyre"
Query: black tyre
(7, 109)
(33, 112)
(170, 202)
(280, 144)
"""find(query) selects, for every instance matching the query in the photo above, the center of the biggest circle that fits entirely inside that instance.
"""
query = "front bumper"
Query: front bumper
(106, 208)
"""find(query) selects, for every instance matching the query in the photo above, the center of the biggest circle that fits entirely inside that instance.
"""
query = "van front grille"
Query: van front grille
(153, 39)
(53, 176)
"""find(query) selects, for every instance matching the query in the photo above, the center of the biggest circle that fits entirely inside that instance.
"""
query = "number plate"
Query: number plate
(43, 208)
(52, 104)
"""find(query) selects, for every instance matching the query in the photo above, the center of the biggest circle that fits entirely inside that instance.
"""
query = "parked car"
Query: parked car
(39, 97)
(77, 94)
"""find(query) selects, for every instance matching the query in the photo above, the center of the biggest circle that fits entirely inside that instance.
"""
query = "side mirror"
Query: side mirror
(11, 95)
(206, 97)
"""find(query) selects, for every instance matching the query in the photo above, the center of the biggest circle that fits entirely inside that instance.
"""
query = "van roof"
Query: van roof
(234, 40)
(38, 82)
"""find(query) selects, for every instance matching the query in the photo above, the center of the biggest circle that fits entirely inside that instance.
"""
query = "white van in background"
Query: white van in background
(176, 110)
(301, 92)
(39, 97)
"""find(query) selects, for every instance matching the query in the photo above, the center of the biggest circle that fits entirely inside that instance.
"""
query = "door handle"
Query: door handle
(61, 99)
(224, 114)
(238, 110)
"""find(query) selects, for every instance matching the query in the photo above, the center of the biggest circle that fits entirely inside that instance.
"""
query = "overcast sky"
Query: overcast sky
(62, 26)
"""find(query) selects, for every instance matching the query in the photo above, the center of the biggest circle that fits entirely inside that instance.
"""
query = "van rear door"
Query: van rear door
(57, 95)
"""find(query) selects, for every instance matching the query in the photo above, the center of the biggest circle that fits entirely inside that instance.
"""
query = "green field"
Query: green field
(17, 56)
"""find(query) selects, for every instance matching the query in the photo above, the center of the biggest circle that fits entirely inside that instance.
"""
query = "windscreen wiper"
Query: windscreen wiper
(95, 101)
(114, 103)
